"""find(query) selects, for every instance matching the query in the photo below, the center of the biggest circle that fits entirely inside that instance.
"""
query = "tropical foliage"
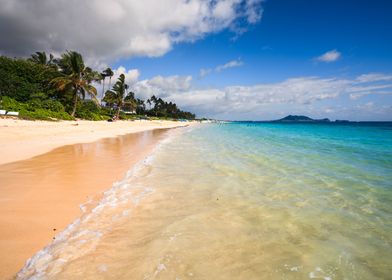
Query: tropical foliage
(117, 94)
(49, 88)
(76, 78)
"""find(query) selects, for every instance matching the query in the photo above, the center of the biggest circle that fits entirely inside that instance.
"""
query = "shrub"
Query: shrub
(53, 105)
(10, 104)
(90, 116)
(44, 114)
(89, 110)
(36, 109)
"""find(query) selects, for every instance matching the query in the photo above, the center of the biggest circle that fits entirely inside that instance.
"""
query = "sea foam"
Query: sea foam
(81, 236)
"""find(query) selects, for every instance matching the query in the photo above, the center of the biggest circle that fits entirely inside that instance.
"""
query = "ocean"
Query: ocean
(240, 201)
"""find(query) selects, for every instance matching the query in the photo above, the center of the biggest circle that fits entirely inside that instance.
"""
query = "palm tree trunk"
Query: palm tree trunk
(103, 89)
(75, 101)
(118, 113)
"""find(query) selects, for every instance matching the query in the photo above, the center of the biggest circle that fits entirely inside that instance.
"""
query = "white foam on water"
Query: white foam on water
(318, 273)
(161, 267)
(83, 206)
(82, 236)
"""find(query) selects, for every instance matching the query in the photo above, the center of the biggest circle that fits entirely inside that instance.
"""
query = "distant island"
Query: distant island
(295, 118)
(305, 119)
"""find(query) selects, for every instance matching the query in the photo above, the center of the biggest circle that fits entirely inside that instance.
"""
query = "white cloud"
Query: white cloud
(302, 94)
(329, 56)
(204, 72)
(131, 75)
(368, 84)
(253, 13)
(106, 30)
(171, 83)
(374, 77)
(162, 86)
(231, 64)
(358, 95)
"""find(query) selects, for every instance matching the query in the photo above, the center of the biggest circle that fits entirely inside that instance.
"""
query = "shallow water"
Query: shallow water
(40, 196)
(241, 201)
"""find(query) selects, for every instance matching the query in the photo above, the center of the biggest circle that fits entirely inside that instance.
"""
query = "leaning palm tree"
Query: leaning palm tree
(117, 94)
(41, 58)
(149, 103)
(103, 78)
(109, 73)
(130, 101)
(75, 77)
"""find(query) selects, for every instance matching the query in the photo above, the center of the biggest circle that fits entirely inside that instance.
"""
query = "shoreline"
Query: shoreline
(36, 199)
(21, 139)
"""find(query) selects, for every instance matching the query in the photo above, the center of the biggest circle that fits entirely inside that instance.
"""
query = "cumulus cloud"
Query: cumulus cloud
(106, 30)
(219, 68)
(329, 56)
(171, 83)
(162, 86)
(245, 99)
(131, 77)
(240, 101)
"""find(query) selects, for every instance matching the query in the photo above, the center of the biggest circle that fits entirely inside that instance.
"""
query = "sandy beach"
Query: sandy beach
(49, 169)
(21, 139)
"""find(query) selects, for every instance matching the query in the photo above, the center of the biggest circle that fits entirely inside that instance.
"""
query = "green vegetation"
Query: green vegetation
(47, 88)
(116, 95)
(75, 78)
(36, 109)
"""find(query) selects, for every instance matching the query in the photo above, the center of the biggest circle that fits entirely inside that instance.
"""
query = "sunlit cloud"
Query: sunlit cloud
(231, 64)
(116, 28)
(329, 56)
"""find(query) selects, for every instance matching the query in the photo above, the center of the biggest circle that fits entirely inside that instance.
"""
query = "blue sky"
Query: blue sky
(285, 41)
(284, 45)
(227, 59)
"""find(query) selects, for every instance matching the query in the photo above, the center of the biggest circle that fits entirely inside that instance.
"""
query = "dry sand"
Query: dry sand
(40, 196)
(21, 139)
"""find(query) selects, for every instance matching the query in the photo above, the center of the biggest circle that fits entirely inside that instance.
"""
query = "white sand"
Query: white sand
(43, 193)
(21, 139)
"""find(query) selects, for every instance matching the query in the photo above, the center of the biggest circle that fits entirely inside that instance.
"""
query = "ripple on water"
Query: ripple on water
(236, 202)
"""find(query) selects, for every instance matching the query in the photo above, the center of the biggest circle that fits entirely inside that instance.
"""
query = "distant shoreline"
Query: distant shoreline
(315, 122)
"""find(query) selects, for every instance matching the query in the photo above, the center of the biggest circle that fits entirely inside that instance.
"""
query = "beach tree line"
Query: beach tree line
(45, 87)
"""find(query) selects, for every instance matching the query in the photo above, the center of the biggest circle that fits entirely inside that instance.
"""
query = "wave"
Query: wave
(82, 236)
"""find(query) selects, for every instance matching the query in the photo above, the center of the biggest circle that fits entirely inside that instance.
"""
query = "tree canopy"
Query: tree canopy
(29, 84)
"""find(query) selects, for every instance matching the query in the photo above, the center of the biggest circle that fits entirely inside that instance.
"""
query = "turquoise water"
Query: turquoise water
(245, 201)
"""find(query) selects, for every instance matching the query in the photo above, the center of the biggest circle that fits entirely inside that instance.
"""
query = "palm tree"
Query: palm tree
(103, 78)
(130, 101)
(41, 58)
(156, 102)
(75, 77)
(92, 75)
(149, 103)
(109, 73)
(116, 95)
(141, 107)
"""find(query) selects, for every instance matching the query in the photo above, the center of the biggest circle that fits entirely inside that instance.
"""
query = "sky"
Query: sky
(225, 59)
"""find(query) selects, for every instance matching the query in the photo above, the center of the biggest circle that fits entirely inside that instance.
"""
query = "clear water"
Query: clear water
(241, 201)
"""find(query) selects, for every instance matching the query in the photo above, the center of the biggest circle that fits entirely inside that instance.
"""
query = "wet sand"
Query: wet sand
(42, 195)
